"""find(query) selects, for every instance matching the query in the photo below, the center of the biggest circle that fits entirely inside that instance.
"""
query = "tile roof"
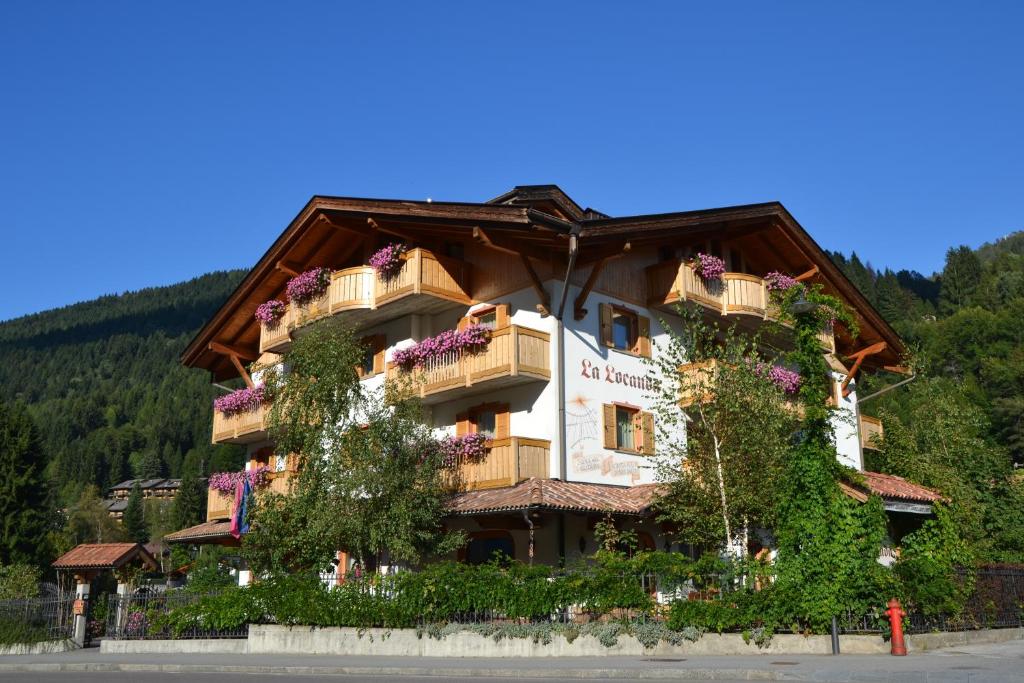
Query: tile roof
(103, 556)
(891, 486)
(553, 494)
(204, 531)
(116, 505)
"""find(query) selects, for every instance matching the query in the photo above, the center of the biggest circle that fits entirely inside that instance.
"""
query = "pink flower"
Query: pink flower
(710, 267)
(779, 282)
(227, 482)
(388, 261)
(309, 285)
(270, 312)
(785, 379)
(470, 340)
(458, 449)
(240, 401)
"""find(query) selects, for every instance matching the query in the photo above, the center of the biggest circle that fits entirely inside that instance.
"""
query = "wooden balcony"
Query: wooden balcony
(248, 427)
(515, 355)
(698, 386)
(219, 505)
(736, 294)
(508, 462)
(871, 432)
(427, 283)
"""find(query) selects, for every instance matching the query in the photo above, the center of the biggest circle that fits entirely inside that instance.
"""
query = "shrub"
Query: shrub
(18, 581)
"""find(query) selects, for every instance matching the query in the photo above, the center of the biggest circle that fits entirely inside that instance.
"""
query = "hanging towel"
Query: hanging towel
(238, 507)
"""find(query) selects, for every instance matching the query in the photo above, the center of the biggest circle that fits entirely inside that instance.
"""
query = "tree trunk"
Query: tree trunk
(721, 492)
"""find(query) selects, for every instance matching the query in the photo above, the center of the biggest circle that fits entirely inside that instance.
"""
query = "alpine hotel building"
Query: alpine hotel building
(573, 298)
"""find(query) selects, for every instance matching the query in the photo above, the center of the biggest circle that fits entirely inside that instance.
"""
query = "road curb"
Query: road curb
(440, 672)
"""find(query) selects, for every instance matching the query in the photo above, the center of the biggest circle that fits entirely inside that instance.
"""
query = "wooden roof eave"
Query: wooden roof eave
(495, 216)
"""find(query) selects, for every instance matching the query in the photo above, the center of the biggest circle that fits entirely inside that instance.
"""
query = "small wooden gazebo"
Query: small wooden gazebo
(87, 560)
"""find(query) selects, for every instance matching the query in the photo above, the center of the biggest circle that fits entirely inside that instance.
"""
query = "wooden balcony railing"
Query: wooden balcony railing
(698, 385)
(672, 282)
(508, 462)
(871, 431)
(514, 355)
(426, 283)
(248, 427)
(736, 293)
(219, 505)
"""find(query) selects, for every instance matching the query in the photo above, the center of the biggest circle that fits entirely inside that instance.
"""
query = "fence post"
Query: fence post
(80, 611)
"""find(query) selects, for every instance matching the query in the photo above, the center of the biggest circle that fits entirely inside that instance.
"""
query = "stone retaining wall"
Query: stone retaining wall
(294, 640)
(48, 647)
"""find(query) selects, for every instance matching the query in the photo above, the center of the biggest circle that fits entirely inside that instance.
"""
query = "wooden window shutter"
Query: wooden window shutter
(380, 346)
(501, 421)
(647, 433)
(462, 424)
(606, 324)
(609, 426)
(643, 337)
(501, 318)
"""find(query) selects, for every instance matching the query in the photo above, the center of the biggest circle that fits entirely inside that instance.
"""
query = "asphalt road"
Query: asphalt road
(991, 663)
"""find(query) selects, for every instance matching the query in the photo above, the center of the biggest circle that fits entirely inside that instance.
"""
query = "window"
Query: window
(484, 545)
(489, 419)
(627, 428)
(484, 423)
(624, 324)
(625, 419)
(488, 319)
(625, 330)
(372, 362)
(492, 317)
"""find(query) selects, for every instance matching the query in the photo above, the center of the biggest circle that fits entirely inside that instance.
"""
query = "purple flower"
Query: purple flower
(309, 285)
(450, 342)
(710, 267)
(227, 482)
(136, 622)
(388, 261)
(779, 282)
(240, 401)
(270, 312)
(785, 379)
(458, 449)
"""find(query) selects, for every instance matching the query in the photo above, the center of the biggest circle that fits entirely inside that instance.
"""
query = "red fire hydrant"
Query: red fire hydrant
(896, 615)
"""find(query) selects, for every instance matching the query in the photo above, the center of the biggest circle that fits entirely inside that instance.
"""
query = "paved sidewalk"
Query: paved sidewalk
(1002, 663)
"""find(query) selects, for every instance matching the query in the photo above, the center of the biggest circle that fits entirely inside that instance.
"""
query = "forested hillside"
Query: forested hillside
(103, 383)
(959, 426)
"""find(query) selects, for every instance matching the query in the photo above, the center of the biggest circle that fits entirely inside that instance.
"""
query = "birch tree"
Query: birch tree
(726, 421)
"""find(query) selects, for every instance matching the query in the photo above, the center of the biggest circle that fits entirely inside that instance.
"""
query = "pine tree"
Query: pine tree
(135, 516)
(190, 502)
(150, 467)
(22, 487)
(960, 278)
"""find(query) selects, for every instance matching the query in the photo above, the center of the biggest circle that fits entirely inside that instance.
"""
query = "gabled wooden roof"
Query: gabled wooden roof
(104, 556)
(537, 220)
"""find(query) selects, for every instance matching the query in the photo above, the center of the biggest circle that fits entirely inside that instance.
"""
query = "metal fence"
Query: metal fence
(996, 601)
(141, 616)
(35, 620)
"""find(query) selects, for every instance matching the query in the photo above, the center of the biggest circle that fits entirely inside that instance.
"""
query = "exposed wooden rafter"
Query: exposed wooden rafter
(578, 311)
(545, 301)
(289, 269)
(235, 355)
(858, 358)
(807, 275)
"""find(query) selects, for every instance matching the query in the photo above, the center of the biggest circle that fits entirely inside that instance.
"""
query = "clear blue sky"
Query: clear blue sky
(143, 144)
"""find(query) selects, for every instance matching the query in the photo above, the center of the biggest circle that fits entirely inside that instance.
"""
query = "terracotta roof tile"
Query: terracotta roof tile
(102, 556)
(204, 531)
(554, 494)
(891, 486)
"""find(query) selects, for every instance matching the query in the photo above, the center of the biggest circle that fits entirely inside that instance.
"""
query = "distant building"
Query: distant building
(160, 489)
